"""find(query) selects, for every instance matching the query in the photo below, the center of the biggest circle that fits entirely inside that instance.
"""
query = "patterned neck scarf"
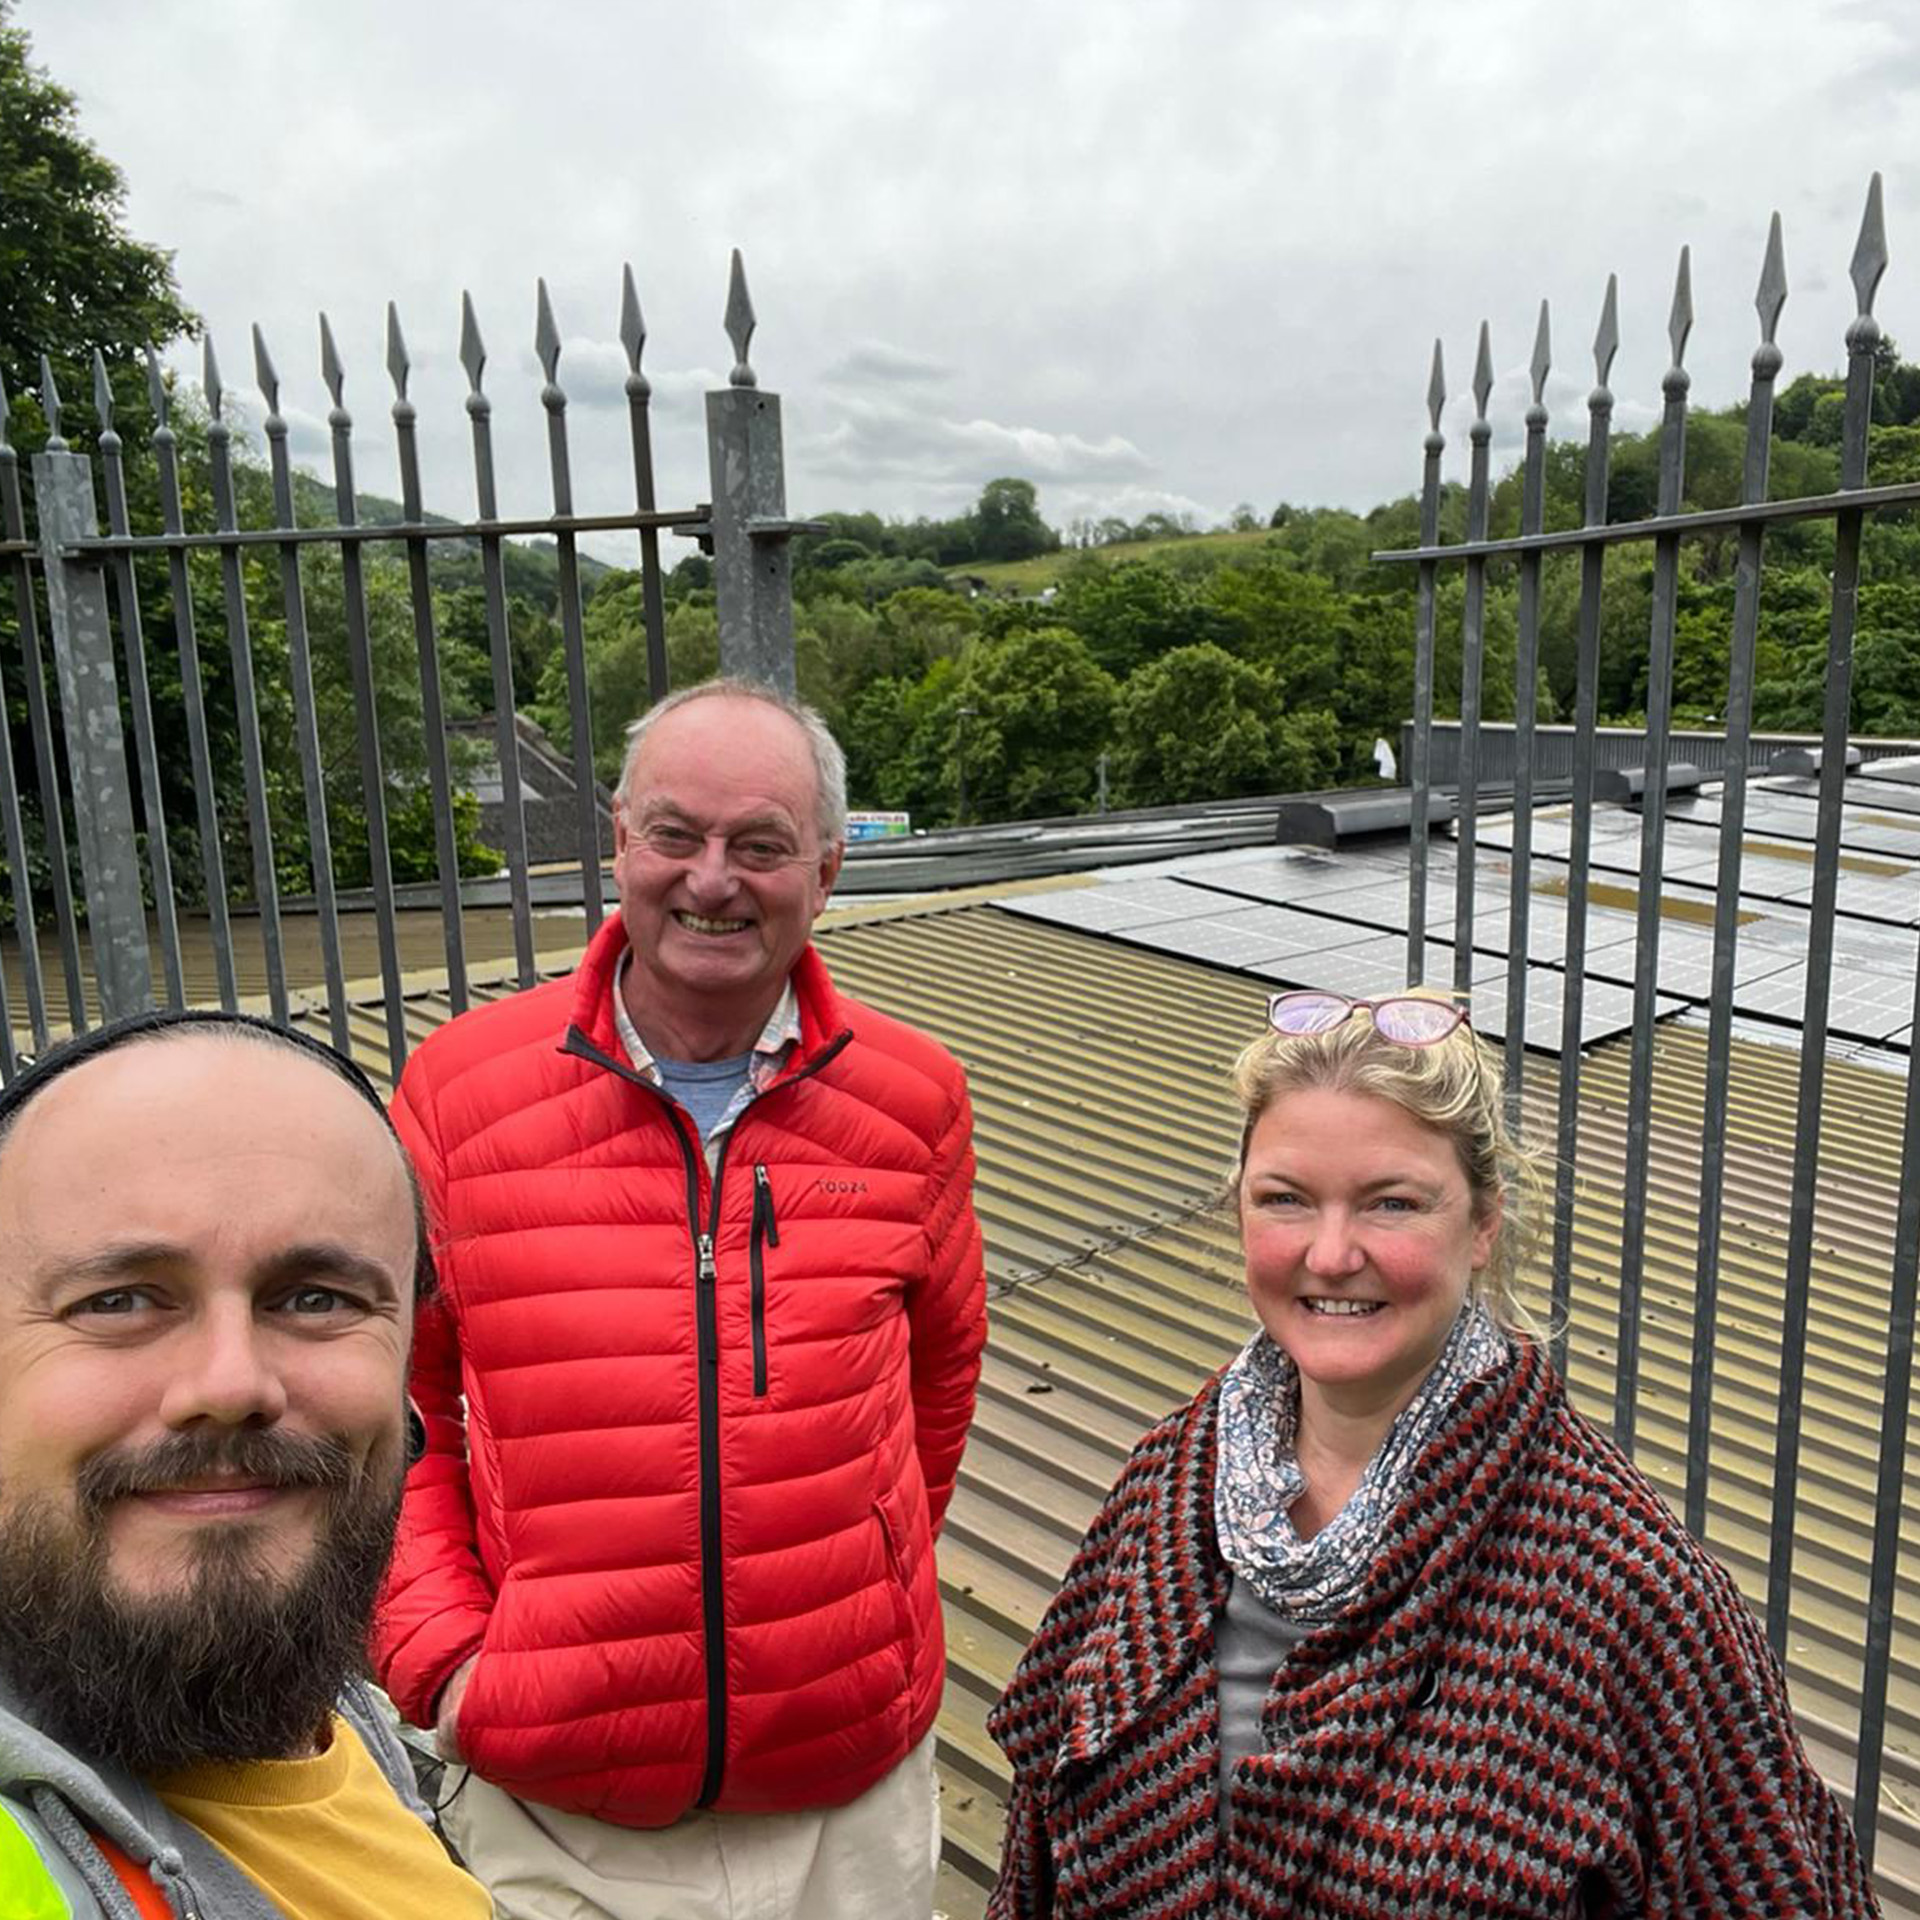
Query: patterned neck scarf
(1259, 1477)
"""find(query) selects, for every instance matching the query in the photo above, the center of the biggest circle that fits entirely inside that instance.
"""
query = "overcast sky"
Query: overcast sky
(1143, 253)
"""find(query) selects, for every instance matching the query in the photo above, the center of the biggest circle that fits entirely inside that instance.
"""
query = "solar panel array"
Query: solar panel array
(1338, 918)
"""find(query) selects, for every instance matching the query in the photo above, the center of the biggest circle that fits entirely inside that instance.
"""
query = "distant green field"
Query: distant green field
(1044, 570)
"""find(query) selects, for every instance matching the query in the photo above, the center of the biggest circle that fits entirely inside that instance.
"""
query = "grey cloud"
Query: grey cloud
(876, 440)
(309, 439)
(875, 362)
(1224, 237)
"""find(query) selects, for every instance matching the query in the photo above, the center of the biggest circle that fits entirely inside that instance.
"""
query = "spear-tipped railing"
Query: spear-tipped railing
(1578, 1209)
(276, 713)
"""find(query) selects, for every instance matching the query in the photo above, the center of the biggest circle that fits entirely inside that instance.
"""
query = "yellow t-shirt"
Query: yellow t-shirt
(326, 1838)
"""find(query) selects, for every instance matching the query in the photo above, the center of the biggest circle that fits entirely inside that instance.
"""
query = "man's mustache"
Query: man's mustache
(282, 1460)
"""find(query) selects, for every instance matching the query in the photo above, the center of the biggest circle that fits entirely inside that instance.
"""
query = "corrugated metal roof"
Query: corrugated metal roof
(1105, 1133)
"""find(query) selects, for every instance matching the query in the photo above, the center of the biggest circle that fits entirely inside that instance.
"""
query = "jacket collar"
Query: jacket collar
(44, 1777)
(590, 1025)
(121, 1807)
(1154, 1620)
(1168, 1584)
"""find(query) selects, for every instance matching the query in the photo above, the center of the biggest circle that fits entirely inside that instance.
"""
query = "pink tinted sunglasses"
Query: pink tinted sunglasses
(1404, 1018)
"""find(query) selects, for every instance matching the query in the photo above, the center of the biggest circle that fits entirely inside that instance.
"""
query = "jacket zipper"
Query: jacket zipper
(707, 1331)
(712, 1597)
(766, 1233)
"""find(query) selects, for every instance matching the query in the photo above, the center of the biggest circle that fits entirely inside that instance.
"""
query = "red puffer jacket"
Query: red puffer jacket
(711, 1424)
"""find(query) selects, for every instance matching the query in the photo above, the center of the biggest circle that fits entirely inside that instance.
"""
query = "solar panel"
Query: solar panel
(1111, 906)
(1866, 1004)
(1250, 939)
(1372, 966)
(1337, 918)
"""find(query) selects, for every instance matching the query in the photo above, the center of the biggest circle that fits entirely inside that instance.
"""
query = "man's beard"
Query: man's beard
(235, 1664)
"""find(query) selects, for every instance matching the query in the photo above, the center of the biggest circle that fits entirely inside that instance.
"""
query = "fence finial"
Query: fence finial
(740, 324)
(1870, 250)
(633, 335)
(633, 326)
(398, 365)
(1482, 376)
(1680, 319)
(50, 406)
(473, 352)
(1771, 295)
(263, 370)
(546, 336)
(1606, 342)
(1436, 399)
(102, 392)
(156, 390)
(210, 374)
(331, 371)
(1542, 362)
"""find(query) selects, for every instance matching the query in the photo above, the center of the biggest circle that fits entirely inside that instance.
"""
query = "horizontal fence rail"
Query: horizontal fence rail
(1510, 751)
(1470, 753)
(106, 803)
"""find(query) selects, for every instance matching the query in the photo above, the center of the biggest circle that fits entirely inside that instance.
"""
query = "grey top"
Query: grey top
(706, 1088)
(1251, 1642)
(54, 1796)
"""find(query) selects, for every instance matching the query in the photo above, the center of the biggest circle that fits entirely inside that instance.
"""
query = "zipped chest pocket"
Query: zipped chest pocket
(766, 1233)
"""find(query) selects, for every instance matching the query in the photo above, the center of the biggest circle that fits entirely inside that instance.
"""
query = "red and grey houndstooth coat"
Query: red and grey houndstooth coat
(1547, 1700)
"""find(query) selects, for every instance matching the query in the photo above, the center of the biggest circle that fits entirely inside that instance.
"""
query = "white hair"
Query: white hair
(829, 763)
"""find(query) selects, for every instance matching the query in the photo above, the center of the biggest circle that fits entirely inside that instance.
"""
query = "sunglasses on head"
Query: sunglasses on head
(1404, 1018)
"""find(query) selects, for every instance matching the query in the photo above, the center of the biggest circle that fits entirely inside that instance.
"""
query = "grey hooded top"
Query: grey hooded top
(53, 1796)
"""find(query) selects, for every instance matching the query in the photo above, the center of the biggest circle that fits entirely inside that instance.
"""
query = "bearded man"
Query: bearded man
(212, 1252)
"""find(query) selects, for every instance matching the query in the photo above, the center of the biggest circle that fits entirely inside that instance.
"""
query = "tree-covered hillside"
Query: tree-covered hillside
(1249, 660)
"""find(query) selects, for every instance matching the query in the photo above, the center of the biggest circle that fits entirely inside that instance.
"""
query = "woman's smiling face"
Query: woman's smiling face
(1361, 1236)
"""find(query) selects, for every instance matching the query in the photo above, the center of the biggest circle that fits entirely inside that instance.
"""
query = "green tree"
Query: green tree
(1130, 611)
(1197, 724)
(899, 739)
(614, 643)
(1285, 620)
(1007, 522)
(1041, 712)
(71, 277)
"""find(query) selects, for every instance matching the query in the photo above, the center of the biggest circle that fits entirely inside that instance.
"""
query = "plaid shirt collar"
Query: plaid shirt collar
(771, 1051)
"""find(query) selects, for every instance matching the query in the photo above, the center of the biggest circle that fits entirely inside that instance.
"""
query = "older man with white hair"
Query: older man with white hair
(699, 1378)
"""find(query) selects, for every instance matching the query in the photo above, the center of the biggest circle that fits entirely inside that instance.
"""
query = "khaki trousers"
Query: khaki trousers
(872, 1859)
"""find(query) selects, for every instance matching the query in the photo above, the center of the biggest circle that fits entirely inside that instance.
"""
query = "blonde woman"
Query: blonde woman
(1376, 1624)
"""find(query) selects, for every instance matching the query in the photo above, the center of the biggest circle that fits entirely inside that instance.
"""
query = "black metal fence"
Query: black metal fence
(1522, 759)
(64, 570)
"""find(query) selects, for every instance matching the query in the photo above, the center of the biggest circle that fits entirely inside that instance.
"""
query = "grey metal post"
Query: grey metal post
(1769, 298)
(1653, 828)
(1472, 658)
(633, 337)
(96, 753)
(1419, 763)
(1526, 671)
(139, 702)
(752, 570)
(1869, 263)
(1586, 697)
